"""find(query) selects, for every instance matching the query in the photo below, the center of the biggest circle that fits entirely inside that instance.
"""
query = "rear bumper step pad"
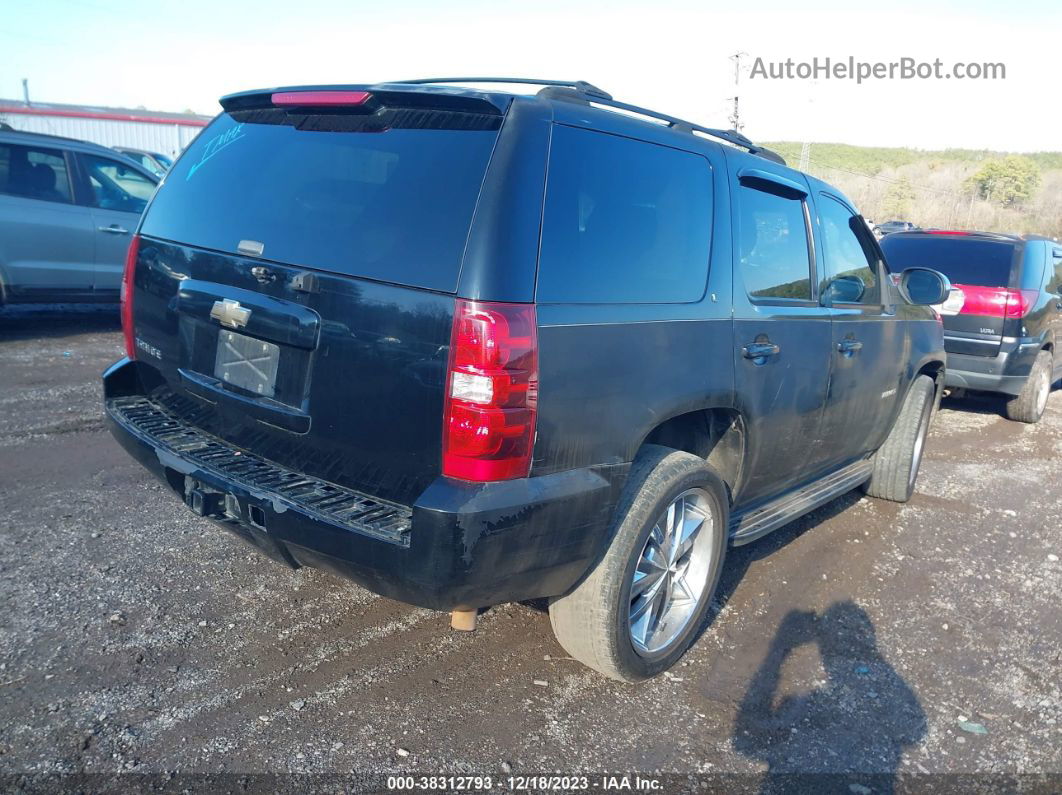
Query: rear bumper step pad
(319, 499)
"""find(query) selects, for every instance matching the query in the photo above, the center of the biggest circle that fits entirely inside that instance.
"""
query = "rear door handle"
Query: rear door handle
(114, 229)
(849, 347)
(759, 351)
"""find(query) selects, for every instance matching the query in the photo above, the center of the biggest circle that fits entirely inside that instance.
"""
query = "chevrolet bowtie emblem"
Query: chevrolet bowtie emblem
(230, 313)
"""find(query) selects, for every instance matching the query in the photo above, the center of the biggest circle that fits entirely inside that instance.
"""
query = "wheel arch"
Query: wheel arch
(717, 434)
(935, 369)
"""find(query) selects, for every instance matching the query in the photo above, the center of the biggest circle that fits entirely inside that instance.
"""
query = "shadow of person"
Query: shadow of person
(846, 735)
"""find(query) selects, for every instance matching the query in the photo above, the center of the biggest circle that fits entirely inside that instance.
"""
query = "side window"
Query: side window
(116, 186)
(625, 221)
(1056, 258)
(146, 162)
(848, 254)
(34, 173)
(773, 250)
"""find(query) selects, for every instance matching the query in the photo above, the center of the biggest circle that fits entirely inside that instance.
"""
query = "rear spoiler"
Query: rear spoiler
(374, 99)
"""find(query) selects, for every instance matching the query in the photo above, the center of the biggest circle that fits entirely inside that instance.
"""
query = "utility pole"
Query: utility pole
(805, 156)
(25, 90)
(735, 116)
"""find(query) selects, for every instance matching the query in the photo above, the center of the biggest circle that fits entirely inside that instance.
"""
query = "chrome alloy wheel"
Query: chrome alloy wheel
(672, 572)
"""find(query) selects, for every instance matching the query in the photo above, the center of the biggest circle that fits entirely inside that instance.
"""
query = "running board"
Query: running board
(746, 527)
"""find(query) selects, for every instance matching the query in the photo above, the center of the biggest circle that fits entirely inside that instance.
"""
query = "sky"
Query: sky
(672, 56)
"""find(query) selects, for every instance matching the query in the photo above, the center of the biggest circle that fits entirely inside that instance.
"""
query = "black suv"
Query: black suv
(1004, 316)
(468, 347)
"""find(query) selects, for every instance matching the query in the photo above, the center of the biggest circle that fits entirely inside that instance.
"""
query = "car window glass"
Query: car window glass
(34, 173)
(773, 244)
(1056, 257)
(394, 204)
(151, 164)
(848, 253)
(964, 260)
(625, 221)
(116, 186)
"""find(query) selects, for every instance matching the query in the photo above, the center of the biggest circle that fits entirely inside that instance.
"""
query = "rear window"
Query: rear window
(979, 263)
(393, 205)
(625, 221)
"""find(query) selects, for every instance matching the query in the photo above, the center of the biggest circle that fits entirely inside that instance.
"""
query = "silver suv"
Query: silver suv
(67, 212)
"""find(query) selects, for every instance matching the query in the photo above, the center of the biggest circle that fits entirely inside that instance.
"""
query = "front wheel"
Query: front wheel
(640, 608)
(896, 463)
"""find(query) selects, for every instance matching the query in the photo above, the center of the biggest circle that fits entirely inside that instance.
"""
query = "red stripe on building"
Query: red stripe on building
(92, 114)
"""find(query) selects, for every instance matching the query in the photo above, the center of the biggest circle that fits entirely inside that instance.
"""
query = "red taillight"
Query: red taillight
(320, 98)
(947, 232)
(127, 296)
(1021, 302)
(491, 392)
(996, 301)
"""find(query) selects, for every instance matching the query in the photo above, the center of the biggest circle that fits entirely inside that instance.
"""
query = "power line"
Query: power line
(902, 180)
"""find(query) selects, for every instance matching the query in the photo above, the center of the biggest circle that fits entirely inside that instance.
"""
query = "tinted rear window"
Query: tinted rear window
(981, 263)
(392, 205)
(625, 221)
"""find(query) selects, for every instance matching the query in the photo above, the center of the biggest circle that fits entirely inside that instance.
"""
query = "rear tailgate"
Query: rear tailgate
(981, 271)
(293, 287)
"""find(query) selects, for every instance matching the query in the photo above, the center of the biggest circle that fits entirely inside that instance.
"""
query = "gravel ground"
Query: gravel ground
(879, 642)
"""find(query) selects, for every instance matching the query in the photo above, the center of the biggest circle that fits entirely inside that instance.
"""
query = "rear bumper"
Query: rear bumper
(461, 545)
(1006, 372)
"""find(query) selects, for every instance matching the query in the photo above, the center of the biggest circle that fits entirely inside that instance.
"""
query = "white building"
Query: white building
(152, 131)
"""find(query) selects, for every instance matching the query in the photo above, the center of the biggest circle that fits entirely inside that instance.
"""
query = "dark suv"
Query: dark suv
(469, 347)
(1004, 316)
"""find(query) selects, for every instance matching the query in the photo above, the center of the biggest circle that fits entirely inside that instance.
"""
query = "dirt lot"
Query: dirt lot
(867, 638)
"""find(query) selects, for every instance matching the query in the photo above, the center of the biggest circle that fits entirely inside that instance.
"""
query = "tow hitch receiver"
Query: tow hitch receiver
(204, 500)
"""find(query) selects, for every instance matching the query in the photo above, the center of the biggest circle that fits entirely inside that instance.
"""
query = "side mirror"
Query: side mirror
(844, 290)
(924, 286)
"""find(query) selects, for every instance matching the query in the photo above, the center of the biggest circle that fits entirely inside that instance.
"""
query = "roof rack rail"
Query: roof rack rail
(730, 136)
(580, 85)
(581, 91)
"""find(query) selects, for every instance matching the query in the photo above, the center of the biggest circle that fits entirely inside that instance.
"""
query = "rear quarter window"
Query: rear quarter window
(625, 221)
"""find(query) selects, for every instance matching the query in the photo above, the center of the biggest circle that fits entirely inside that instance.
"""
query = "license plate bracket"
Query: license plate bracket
(247, 363)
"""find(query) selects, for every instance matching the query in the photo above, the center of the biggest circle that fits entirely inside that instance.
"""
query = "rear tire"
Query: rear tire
(896, 462)
(1031, 402)
(607, 621)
